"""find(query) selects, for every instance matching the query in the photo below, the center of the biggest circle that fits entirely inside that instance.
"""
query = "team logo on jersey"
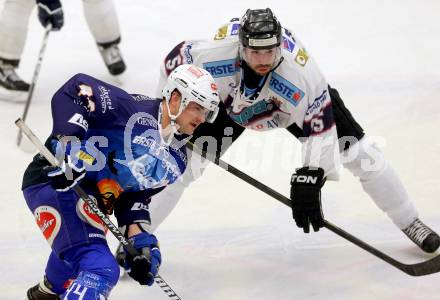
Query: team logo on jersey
(86, 92)
(109, 187)
(49, 221)
(221, 68)
(257, 111)
(79, 120)
(301, 57)
(86, 214)
(285, 89)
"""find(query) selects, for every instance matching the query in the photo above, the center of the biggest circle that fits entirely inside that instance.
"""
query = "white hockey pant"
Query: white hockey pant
(380, 181)
(377, 177)
(14, 18)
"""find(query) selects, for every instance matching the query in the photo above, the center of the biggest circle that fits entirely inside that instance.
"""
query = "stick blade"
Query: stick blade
(427, 267)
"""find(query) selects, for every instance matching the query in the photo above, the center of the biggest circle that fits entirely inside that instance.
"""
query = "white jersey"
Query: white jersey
(294, 93)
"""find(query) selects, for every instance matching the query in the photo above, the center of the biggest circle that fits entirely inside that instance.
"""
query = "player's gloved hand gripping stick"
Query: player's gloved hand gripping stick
(427, 267)
(131, 250)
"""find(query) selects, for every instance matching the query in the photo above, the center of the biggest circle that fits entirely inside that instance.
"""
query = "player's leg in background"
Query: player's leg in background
(14, 19)
(103, 23)
(381, 183)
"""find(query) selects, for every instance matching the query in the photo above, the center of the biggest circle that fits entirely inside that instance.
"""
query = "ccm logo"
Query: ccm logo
(304, 179)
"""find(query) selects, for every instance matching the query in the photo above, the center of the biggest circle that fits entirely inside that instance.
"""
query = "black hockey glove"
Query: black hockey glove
(144, 266)
(305, 193)
(50, 12)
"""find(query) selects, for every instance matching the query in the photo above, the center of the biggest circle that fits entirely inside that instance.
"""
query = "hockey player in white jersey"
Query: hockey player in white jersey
(267, 80)
(100, 16)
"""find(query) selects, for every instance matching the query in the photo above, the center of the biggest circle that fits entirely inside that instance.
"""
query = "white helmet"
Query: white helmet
(194, 84)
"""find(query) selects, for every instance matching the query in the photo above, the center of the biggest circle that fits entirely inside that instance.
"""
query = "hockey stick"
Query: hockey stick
(427, 267)
(93, 206)
(34, 80)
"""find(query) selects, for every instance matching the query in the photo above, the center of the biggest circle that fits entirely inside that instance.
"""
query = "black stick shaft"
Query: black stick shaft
(424, 268)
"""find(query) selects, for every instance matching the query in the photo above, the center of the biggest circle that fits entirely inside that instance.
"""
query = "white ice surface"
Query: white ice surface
(227, 240)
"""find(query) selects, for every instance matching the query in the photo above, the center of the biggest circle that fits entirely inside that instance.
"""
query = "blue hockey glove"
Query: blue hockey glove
(50, 12)
(72, 169)
(305, 193)
(145, 266)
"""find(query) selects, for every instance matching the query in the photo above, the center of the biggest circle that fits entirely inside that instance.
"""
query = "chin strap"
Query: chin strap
(167, 137)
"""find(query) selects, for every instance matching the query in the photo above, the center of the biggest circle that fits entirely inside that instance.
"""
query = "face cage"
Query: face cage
(277, 59)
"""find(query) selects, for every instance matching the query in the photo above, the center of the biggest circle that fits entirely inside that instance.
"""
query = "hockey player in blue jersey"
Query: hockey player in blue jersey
(122, 148)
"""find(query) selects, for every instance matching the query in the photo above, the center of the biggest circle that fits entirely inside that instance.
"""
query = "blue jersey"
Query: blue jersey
(127, 161)
(122, 132)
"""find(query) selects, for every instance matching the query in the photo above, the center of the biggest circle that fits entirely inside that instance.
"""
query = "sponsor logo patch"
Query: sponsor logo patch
(139, 97)
(285, 89)
(147, 121)
(85, 157)
(86, 214)
(288, 44)
(79, 120)
(235, 28)
(301, 57)
(139, 206)
(187, 54)
(317, 104)
(106, 101)
(221, 33)
(49, 221)
(221, 68)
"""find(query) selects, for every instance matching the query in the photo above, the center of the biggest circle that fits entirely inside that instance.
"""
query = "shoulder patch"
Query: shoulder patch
(285, 89)
(301, 57)
(229, 29)
(221, 68)
(288, 41)
(221, 33)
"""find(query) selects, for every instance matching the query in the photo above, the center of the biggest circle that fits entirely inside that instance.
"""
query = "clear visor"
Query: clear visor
(199, 109)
